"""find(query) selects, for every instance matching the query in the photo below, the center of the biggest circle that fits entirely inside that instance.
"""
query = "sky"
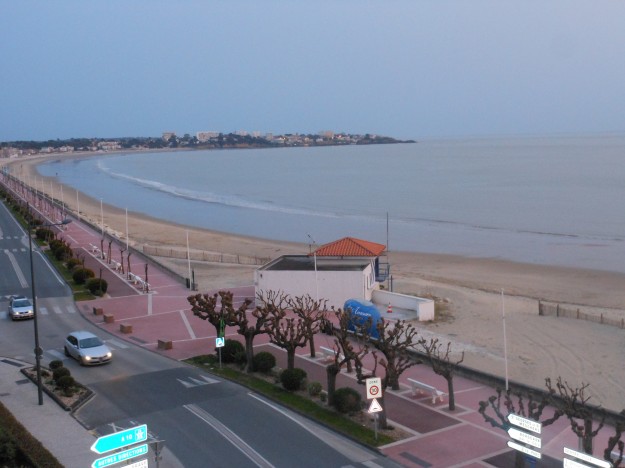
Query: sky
(404, 68)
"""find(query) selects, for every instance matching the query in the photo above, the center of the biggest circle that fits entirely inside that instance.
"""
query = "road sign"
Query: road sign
(587, 458)
(220, 342)
(375, 407)
(374, 387)
(120, 439)
(120, 456)
(573, 464)
(524, 449)
(524, 437)
(140, 464)
(529, 424)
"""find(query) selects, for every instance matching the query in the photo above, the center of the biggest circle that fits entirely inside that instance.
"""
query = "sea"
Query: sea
(544, 200)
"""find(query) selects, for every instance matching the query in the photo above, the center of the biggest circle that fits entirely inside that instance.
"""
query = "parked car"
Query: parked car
(87, 348)
(20, 308)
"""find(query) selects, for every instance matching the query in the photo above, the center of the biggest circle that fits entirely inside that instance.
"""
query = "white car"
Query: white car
(20, 308)
(87, 349)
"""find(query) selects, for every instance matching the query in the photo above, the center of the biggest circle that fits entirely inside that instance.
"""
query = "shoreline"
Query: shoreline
(476, 291)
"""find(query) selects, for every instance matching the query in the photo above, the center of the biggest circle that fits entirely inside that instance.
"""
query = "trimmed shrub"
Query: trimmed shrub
(292, 379)
(233, 352)
(60, 372)
(314, 389)
(81, 275)
(55, 364)
(63, 252)
(44, 233)
(65, 383)
(346, 400)
(264, 362)
(97, 286)
(72, 263)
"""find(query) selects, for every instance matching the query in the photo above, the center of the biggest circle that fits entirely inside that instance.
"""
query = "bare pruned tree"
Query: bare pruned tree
(214, 309)
(440, 358)
(616, 442)
(573, 403)
(527, 405)
(394, 341)
(312, 312)
(288, 333)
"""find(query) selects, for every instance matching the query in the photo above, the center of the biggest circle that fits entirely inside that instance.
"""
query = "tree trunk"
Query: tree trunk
(311, 337)
(382, 414)
(249, 352)
(290, 358)
(450, 392)
(331, 371)
(587, 439)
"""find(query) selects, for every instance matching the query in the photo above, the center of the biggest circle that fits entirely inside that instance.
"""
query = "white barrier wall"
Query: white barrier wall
(423, 307)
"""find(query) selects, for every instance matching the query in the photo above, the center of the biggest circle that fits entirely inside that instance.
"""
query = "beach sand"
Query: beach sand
(473, 305)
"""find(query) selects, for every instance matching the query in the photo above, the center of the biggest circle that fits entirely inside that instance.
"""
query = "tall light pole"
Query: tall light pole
(315, 260)
(38, 350)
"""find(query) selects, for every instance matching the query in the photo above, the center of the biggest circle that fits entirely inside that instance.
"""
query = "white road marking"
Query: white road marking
(18, 271)
(188, 325)
(42, 311)
(56, 354)
(230, 436)
(71, 309)
(57, 310)
(117, 344)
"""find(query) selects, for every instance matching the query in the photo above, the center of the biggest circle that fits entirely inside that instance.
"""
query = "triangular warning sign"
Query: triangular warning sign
(375, 406)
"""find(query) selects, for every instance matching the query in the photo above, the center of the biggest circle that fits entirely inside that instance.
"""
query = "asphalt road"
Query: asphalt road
(203, 420)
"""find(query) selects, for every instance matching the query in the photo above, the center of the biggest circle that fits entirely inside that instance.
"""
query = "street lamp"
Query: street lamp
(38, 350)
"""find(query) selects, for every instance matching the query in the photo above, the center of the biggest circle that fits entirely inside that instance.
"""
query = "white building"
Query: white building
(344, 269)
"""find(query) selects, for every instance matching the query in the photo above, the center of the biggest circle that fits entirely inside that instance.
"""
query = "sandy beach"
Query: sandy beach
(470, 290)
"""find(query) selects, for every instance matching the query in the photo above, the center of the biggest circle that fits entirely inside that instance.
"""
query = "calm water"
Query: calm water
(542, 200)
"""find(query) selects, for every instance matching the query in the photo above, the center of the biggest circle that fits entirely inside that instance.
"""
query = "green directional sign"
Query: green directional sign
(120, 439)
(120, 456)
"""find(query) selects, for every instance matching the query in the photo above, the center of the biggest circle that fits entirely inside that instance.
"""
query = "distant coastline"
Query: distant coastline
(201, 141)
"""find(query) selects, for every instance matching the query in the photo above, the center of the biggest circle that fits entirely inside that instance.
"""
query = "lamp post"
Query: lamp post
(38, 350)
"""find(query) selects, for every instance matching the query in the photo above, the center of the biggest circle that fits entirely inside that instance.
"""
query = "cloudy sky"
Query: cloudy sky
(405, 68)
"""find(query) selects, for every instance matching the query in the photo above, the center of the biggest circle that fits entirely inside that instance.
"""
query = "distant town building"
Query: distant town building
(206, 136)
(168, 135)
(109, 145)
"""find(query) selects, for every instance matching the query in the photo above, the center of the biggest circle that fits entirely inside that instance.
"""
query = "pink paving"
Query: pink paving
(441, 438)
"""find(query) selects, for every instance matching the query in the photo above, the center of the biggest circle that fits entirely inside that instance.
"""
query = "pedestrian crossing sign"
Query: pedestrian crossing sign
(220, 342)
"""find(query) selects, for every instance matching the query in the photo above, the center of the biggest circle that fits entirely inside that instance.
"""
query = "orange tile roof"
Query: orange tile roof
(350, 247)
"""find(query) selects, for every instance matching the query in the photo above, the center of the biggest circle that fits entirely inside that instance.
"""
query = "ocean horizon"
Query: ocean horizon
(544, 200)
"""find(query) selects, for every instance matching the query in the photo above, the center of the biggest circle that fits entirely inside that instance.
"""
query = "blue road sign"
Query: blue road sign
(120, 439)
(120, 456)
(220, 342)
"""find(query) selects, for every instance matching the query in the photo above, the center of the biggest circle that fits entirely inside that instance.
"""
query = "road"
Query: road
(204, 420)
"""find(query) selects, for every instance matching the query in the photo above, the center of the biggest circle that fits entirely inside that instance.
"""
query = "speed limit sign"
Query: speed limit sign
(374, 387)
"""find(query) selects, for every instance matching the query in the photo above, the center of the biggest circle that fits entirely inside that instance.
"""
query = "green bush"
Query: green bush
(8, 449)
(97, 286)
(314, 389)
(81, 275)
(264, 362)
(55, 244)
(60, 372)
(44, 234)
(233, 352)
(72, 263)
(55, 364)
(63, 252)
(65, 382)
(346, 400)
(292, 379)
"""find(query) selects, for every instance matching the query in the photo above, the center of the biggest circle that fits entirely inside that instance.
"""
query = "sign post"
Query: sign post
(525, 437)
(118, 457)
(374, 387)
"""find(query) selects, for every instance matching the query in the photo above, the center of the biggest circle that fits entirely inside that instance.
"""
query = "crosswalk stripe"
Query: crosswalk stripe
(42, 311)
(116, 344)
(57, 310)
(4, 315)
(71, 309)
(56, 354)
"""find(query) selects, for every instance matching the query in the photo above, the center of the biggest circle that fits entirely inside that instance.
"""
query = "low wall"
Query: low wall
(423, 307)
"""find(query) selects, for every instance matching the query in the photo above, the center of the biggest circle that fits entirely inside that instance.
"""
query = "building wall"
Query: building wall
(335, 286)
